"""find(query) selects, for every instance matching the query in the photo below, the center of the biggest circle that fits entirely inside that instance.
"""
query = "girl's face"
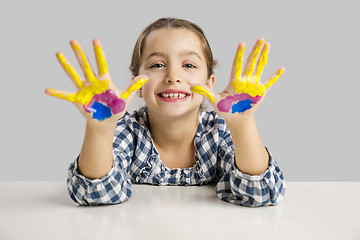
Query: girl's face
(174, 62)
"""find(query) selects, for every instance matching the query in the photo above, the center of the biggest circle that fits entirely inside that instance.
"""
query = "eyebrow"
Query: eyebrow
(189, 52)
(155, 54)
(182, 53)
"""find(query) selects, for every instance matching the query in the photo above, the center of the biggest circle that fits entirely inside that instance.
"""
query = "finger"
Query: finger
(239, 60)
(237, 67)
(203, 91)
(250, 63)
(100, 57)
(83, 61)
(274, 77)
(60, 94)
(139, 82)
(70, 71)
(262, 62)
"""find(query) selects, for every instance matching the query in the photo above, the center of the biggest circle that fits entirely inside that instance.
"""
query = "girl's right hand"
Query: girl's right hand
(96, 97)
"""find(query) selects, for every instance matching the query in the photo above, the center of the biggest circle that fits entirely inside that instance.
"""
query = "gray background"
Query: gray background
(309, 119)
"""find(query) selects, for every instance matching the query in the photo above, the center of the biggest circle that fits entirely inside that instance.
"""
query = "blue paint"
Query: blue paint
(100, 111)
(241, 106)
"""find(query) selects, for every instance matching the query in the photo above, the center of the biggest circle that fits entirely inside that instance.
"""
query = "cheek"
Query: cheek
(199, 78)
(149, 89)
(153, 75)
(146, 89)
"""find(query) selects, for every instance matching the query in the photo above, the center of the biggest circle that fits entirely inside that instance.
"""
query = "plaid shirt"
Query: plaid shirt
(136, 160)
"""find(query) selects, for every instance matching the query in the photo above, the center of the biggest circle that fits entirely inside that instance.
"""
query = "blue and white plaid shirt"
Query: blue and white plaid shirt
(136, 160)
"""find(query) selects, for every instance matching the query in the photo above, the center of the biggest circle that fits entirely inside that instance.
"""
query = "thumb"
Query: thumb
(205, 91)
(135, 85)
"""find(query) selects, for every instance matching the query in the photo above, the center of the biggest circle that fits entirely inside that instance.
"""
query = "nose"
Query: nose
(173, 77)
(169, 80)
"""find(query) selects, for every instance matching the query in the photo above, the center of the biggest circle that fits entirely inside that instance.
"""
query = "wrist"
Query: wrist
(235, 122)
(104, 127)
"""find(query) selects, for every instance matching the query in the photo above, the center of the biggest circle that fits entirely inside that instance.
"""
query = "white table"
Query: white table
(310, 210)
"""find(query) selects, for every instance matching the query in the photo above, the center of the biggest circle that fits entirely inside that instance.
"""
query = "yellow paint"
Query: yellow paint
(274, 79)
(84, 95)
(62, 95)
(254, 56)
(86, 66)
(239, 62)
(100, 60)
(253, 89)
(70, 70)
(204, 92)
(249, 84)
(136, 86)
(262, 63)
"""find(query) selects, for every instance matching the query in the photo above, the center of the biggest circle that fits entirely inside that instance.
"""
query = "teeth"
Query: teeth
(173, 95)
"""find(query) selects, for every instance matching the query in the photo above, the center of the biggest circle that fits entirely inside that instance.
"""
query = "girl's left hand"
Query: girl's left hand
(244, 93)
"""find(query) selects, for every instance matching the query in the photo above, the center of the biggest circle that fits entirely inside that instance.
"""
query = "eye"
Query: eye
(157, 65)
(189, 65)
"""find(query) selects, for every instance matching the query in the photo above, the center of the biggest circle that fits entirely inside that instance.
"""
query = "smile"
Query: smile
(173, 95)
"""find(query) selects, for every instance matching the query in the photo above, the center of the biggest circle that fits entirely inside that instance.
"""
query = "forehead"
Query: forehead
(171, 40)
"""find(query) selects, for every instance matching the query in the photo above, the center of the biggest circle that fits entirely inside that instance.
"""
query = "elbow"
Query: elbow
(96, 201)
(111, 191)
(271, 197)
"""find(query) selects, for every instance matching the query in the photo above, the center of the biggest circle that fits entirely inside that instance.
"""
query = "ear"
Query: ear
(211, 81)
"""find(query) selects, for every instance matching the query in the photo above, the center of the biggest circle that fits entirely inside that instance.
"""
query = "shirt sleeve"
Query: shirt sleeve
(236, 187)
(113, 188)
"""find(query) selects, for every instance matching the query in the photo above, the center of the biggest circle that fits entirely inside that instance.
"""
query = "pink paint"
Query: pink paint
(108, 97)
(226, 104)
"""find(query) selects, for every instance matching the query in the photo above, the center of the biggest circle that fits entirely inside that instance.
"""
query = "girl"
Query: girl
(173, 140)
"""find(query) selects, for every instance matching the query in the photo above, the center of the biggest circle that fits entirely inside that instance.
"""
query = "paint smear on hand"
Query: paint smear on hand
(241, 106)
(101, 60)
(108, 97)
(136, 86)
(254, 56)
(95, 96)
(90, 76)
(70, 70)
(225, 105)
(253, 89)
(100, 111)
(85, 94)
(203, 91)
(248, 89)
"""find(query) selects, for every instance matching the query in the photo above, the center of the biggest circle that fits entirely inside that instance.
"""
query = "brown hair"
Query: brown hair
(170, 23)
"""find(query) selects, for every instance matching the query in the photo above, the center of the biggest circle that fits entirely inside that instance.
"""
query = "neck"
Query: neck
(175, 131)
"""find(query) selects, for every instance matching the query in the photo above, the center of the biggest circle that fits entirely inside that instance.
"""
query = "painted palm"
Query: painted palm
(97, 94)
(245, 88)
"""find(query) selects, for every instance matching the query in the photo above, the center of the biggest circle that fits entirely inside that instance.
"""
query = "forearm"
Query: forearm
(96, 158)
(250, 154)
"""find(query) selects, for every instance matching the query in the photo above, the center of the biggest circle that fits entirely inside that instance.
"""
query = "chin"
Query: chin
(178, 111)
